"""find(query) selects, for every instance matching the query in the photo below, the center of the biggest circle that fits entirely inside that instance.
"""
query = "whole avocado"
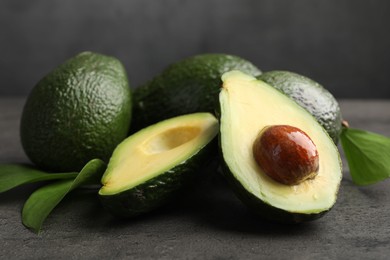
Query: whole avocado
(79, 111)
(187, 86)
(310, 95)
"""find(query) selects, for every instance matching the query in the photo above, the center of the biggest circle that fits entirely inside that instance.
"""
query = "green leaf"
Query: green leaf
(44, 200)
(13, 175)
(368, 155)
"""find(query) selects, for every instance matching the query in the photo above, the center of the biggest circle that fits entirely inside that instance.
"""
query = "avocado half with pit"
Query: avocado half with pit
(150, 166)
(249, 108)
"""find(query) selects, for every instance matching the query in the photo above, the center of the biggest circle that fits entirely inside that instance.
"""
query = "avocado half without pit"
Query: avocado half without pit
(279, 160)
(150, 166)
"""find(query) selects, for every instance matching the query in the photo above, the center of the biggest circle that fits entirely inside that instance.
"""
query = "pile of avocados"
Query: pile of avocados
(273, 134)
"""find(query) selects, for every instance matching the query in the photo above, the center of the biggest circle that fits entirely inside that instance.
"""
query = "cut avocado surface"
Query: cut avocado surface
(247, 106)
(147, 167)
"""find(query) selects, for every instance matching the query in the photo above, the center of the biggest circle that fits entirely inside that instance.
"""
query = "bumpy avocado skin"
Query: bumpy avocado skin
(188, 86)
(159, 190)
(79, 111)
(309, 95)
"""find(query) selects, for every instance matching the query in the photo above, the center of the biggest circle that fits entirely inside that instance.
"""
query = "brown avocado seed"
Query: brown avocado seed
(286, 154)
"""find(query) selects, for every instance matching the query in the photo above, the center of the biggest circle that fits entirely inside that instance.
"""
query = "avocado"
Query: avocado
(149, 167)
(248, 109)
(310, 95)
(79, 111)
(187, 86)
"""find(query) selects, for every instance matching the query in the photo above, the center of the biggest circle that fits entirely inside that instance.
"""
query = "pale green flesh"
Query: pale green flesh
(156, 149)
(247, 106)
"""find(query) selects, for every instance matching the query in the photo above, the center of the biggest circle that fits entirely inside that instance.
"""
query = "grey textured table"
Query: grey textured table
(207, 223)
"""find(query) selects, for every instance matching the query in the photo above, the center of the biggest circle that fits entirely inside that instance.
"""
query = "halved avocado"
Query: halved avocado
(148, 167)
(247, 106)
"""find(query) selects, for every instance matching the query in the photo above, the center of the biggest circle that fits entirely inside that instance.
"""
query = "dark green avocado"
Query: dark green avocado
(310, 95)
(248, 107)
(78, 112)
(148, 168)
(188, 86)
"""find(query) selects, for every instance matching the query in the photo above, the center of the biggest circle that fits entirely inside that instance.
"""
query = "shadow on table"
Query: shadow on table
(211, 205)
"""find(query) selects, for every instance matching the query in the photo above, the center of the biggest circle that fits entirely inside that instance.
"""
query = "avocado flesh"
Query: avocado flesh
(159, 150)
(247, 106)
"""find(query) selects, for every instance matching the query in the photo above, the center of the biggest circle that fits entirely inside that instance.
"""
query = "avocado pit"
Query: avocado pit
(286, 154)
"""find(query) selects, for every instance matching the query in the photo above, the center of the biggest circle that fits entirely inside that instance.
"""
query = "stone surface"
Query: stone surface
(206, 223)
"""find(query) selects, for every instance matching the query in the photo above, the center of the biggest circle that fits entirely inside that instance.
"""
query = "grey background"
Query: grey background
(342, 44)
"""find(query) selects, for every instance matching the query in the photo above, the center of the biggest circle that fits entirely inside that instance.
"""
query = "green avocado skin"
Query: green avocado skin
(79, 111)
(161, 189)
(310, 95)
(188, 86)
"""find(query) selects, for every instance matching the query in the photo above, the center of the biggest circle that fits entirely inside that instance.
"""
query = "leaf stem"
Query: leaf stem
(345, 124)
